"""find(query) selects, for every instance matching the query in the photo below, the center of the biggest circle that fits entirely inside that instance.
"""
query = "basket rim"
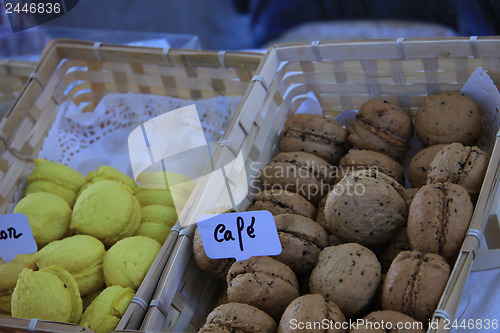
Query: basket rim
(56, 49)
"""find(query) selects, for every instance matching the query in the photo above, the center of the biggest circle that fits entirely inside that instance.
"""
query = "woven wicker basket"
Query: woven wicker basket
(342, 75)
(13, 76)
(83, 73)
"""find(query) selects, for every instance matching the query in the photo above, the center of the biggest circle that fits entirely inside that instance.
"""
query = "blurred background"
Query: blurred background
(255, 24)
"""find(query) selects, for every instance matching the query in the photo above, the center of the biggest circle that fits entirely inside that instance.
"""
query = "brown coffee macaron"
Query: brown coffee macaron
(414, 284)
(348, 275)
(283, 202)
(383, 127)
(217, 267)
(314, 134)
(461, 165)
(420, 164)
(263, 282)
(312, 309)
(302, 239)
(388, 321)
(238, 317)
(302, 173)
(370, 160)
(366, 207)
(438, 219)
(448, 117)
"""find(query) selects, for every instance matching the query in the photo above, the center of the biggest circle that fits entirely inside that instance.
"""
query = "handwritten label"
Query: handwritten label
(239, 235)
(15, 236)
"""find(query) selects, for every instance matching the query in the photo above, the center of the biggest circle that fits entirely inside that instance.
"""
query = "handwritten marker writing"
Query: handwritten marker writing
(16, 236)
(239, 235)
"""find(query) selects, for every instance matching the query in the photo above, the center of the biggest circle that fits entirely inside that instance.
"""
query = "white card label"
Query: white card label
(239, 235)
(16, 236)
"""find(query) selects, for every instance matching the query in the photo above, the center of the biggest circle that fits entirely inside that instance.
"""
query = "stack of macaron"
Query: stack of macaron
(55, 178)
(160, 202)
(356, 243)
(89, 262)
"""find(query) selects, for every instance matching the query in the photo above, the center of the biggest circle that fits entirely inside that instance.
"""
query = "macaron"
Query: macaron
(48, 214)
(347, 275)
(80, 255)
(238, 317)
(106, 172)
(420, 164)
(262, 282)
(388, 321)
(147, 197)
(46, 186)
(302, 239)
(50, 293)
(438, 219)
(314, 134)
(383, 127)
(56, 173)
(461, 165)
(179, 186)
(106, 210)
(156, 222)
(9, 273)
(370, 160)
(448, 117)
(106, 310)
(414, 284)
(217, 267)
(366, 207)
(283, 202)
(312, 311)
(127, 262)
(298, 172)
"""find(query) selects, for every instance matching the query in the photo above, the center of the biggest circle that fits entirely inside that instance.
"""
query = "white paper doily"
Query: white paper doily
(84, 141)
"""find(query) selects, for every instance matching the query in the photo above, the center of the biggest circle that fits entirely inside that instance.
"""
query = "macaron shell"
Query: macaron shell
(371, 216)
(46, 186)
(348, 275)
(48, 215)
(106, 310)
(217, 267)
(314, 134)
(81, 255)
(474, 171)
(283, 202)
(9, 271)
(127, 262)
(302, 173)
(57, 173)
(311, 308)
(367, 159)
(159, 214)
(383, 127)
(48, 294)
(106, 210)
(157, 231)
(238, 317)
(420, 163)
(438, 219)
(388, 115)
(106, 172)
(448, 117)
(389, 318)
(414, 284)
(264, 283)
(148, 197)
